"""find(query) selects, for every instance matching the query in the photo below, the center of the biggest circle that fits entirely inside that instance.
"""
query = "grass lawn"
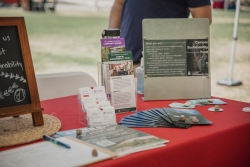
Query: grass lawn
(71, 42)
(62, 43)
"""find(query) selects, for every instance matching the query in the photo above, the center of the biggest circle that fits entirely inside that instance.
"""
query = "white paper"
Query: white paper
(122, 92)
(93, 98)
(101, 116)
(46, 154)
(92, 90)
(96, 105)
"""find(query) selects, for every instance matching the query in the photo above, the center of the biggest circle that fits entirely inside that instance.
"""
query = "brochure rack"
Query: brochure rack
(83, 119)
(118, 80)
(93, 107)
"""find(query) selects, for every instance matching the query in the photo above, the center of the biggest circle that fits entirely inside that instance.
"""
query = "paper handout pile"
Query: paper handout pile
(165, 117)
(95, 107)
(116, 138)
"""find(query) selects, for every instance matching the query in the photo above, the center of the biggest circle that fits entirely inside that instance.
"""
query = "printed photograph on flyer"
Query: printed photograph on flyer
(121, 68)
(197, 57)
(123, 110)
(111, 45)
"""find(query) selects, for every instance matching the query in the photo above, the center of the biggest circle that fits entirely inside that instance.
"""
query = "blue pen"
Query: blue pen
(48, 138)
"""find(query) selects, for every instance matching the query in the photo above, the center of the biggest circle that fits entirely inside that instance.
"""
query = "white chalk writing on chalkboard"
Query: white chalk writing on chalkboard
(19, 95)
(6, 93)
(11, 65)
(6, 75)
(9, 91)
(7, 38)
(18, 89)
(2, 52)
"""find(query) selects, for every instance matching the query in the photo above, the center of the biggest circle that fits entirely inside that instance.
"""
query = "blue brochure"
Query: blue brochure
(157, 117)
(188, 115)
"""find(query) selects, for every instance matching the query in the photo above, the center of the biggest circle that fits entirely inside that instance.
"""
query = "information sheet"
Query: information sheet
(118, 139)
(187, 57)
(123, 93)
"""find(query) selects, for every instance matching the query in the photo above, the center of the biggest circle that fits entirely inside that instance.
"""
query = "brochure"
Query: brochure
(118, 139)
(118, 77)
(123, 93)
(188, 116)
(118, 64)
(202, 102)
(101, 116)
(165, 117)
(109, 45)
(180, 105)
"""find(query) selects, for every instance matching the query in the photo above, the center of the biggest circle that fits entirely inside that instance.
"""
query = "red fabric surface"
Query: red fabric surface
(218, 4)
(224, 143)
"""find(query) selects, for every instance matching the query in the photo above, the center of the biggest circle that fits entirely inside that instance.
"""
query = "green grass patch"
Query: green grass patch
(223, 24)
(69, 40)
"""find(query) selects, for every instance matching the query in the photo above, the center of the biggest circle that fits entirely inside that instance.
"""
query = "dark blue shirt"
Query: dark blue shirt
(134, 11)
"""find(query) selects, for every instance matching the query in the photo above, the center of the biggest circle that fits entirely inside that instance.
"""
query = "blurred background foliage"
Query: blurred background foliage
(70, 41)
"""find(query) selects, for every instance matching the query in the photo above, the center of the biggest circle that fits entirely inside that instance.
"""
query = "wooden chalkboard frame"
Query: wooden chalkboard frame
(34, 107)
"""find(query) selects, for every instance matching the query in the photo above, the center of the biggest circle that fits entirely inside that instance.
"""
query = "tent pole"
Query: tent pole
(229, 81)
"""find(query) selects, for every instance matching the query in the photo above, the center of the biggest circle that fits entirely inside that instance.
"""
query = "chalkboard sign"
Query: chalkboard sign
(18, 89)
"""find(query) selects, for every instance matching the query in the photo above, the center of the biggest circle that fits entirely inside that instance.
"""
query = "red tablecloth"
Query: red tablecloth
(224, 143)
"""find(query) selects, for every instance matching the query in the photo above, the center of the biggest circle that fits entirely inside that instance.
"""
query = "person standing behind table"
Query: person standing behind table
(127, 15)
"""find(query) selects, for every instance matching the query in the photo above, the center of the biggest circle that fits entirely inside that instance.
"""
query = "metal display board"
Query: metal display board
(176, 59)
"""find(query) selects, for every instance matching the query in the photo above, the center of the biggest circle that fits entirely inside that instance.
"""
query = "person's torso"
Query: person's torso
(134, 11)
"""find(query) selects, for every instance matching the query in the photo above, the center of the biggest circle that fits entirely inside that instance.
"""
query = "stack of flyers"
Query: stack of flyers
(181, 105)
(164, 117)
(157, 117)
(202, 102)
(189, 115)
